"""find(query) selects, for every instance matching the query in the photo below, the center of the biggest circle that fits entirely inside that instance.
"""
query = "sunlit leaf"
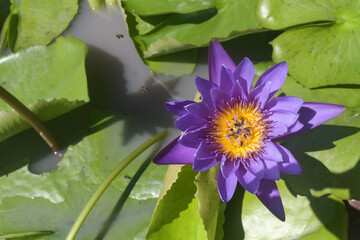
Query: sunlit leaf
(51, 201)
(43, 78)
(41, 21)
(317, 54)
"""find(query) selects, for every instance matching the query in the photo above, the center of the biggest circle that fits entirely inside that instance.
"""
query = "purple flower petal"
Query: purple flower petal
(245, 70)
(175, 153)
(277, 129)
(189, 121)
(200, 110)
(204, 151)
(192, 138)
(238, 90)
(276, 75)
(271, 170)
(272, 152)
(177, 107)
(204, 87)
(228, 167)
(217, 58)
(248, 180)
(312, 115)
(261, 94)
(256, 167)
(204, 164)
(269, 195)
(287, 103)
(289, 164)
(226, 80)
(219, 98)
(226, 186)
(285, 117)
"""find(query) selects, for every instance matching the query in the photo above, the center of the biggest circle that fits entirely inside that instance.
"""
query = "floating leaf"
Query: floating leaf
(306, 218)
(175, 26)
(317, 54)
(193, 24)
(50, 80)
(41, 21)
(51, 201)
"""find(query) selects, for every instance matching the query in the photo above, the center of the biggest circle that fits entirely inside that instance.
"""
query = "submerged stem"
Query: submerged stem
(30, 118)
(106, 183)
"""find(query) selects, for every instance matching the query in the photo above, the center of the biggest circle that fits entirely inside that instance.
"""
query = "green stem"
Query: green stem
(30, 118)
(25, 234)
(106, 183)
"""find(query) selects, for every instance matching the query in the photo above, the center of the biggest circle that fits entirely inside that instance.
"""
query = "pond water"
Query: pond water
(133, 89)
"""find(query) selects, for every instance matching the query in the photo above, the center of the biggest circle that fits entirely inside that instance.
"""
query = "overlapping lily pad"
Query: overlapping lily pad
(41, 21)
(174, 26)
(52, 201)
(322, 51)
(306, 218)
(50, 80)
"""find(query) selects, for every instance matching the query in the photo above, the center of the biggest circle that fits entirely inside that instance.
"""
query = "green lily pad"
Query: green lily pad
(162, 34)
(192, 24)
(50, 80)
(41, 21)
(306, 218)
(52, 201)
(317, 54)
(329, 157)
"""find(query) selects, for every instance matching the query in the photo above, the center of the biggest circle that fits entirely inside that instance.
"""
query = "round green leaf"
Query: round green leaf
(306, 218)
(42, 20)
(320, 54)
(50, 80)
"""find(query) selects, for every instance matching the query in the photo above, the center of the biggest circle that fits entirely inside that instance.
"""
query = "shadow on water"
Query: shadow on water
(71, 127)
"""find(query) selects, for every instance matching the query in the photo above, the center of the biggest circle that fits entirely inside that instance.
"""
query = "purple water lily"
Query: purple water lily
(239, 128)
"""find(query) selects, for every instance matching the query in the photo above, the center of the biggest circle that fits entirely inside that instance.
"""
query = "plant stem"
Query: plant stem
(30, 118)
(25, 234)
(106, 183)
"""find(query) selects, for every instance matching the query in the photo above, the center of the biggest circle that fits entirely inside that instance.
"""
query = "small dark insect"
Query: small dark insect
(119, 36)
(145, 90)
(240, 123)
(127, 177)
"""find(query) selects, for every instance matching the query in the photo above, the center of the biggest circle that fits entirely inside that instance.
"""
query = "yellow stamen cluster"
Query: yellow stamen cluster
(239, 130)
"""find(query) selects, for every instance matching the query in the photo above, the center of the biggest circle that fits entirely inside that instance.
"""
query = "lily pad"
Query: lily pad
(51, 201)
(306, 218)
(41, 21)
(50, 80)
(317, 54)
(162, 32)
(192, 24)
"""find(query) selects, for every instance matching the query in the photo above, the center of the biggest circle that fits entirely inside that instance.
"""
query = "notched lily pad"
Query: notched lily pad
(41, 21)
(318, 55)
